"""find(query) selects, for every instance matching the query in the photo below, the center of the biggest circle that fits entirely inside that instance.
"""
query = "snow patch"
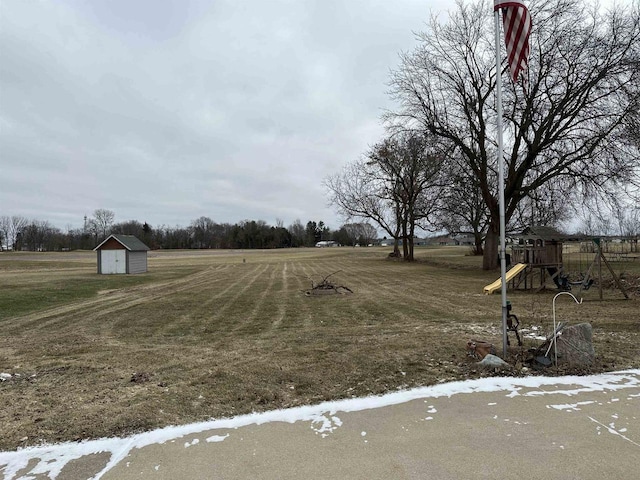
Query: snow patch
(533, 333)
(328, 423)
(613, 431)
(571, 406)
(53, 458)
(217, 438)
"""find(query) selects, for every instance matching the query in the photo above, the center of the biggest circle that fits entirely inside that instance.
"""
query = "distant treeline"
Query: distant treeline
(21, 234)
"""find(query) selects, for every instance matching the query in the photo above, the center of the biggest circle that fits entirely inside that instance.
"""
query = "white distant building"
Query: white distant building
(327, 243)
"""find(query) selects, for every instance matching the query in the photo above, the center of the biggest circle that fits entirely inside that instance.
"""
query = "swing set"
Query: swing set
(540, 255)
(587, 279)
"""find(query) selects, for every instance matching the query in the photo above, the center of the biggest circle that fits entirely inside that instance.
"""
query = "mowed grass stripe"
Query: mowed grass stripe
(108, 313)
(297, 311)
(232, 310)
(103, 302)
(411, 288)
(186, 314)
(257, 308)
(380, 294)
(282, 293)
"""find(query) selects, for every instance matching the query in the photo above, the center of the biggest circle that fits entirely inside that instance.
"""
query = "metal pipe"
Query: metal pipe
(503, 260)
(555, 334)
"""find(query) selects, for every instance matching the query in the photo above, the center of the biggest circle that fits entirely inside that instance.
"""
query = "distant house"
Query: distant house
(326, 243)
(386, 242)
(121, 254)
(464, 239)
(389, 242)
(442, 240)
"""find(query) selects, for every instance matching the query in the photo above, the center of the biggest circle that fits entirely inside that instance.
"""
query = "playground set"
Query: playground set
(538, 257)
(543, 254)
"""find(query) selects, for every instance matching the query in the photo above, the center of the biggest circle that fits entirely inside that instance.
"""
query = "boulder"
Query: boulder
(575, 347)
(493, 361)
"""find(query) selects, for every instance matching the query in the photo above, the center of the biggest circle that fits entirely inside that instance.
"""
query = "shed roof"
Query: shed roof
(130, 242)
(544, 233)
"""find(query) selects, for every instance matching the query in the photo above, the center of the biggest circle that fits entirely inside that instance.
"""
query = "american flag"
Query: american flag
(517, 27)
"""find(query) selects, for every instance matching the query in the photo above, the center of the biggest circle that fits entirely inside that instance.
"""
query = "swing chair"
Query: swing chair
(565, 285)
(586, 282)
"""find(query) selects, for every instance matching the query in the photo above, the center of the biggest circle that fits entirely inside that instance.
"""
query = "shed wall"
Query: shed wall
(137, 262)
(112, 244)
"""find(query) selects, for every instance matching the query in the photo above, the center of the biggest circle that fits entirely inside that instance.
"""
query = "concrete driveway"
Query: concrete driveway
(535, 427)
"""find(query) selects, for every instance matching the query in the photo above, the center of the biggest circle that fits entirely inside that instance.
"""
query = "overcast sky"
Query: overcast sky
(164, 111)
(167, 110)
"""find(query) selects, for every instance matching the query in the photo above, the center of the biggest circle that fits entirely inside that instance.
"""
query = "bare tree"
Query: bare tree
(4, 232)
(366, 233)
(463, 210)
(596, 225)
(11, 229)
(567, 126)
(415, 183)
(356, 233)
(202, 230)
(103, 219)
(297, 231)
(398, 187)
(356, 194)
(92, 230)
(40, 236)
(551, 204)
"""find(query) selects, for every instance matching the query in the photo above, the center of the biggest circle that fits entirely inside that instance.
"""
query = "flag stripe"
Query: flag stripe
(517, 28)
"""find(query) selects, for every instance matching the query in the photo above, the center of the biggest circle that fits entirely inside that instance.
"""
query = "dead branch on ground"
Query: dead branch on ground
(326, 287)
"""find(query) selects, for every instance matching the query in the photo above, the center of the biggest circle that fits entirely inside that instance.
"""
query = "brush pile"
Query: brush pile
(326, 287)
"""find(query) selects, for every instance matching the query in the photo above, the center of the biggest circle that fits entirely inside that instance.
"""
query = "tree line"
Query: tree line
(571, 129)
(19, 233)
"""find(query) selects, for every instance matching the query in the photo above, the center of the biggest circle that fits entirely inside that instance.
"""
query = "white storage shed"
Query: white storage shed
(121, 254)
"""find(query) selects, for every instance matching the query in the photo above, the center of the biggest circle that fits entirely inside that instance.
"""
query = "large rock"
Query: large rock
(575, 347)
(492, 361)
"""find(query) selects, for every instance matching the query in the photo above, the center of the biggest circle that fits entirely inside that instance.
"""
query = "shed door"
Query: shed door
(114, 261)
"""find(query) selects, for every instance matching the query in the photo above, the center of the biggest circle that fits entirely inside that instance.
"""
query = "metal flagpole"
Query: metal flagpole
(503, 261)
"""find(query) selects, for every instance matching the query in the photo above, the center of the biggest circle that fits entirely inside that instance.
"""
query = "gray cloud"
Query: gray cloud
(165, 111)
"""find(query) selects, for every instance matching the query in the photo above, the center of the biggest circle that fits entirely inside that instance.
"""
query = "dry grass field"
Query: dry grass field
(218, 333)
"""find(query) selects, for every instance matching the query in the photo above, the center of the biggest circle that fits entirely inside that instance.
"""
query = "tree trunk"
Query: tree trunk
(405, 243)
(410, 239)
(490, 260)
(478, 249)
(411, 248)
